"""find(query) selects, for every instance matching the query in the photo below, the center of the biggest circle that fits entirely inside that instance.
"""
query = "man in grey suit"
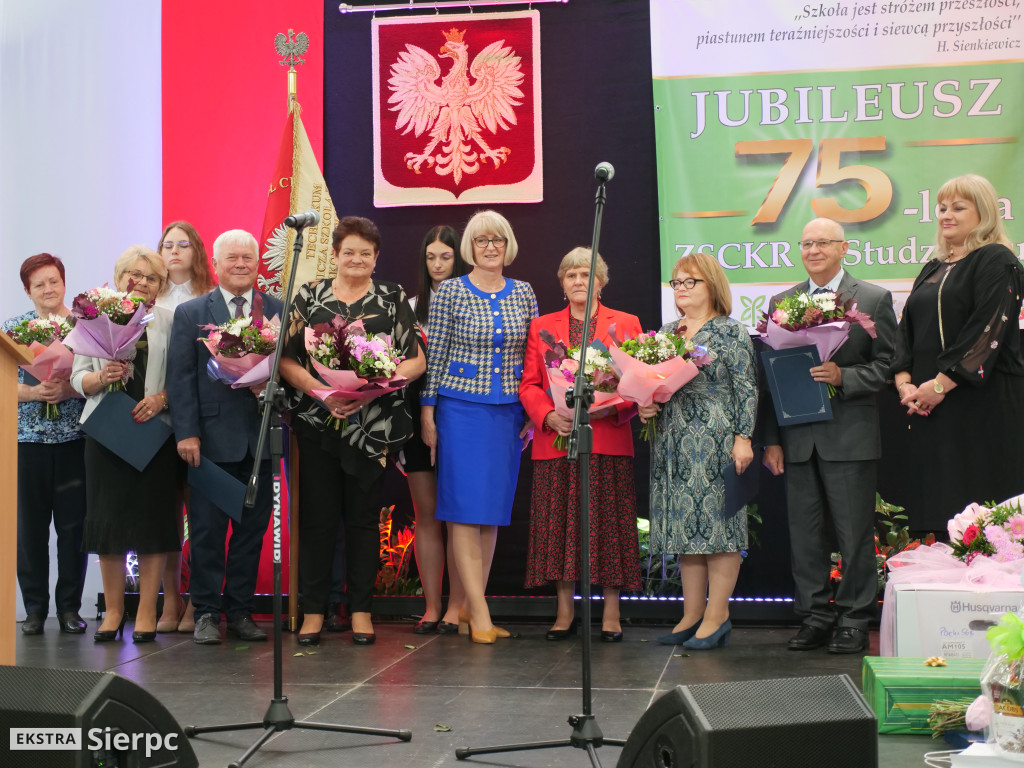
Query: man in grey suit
(830, 465)
(223, 424)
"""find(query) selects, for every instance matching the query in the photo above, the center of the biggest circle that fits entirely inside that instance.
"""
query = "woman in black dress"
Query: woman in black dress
(439, 260)
(128, 510)
(958, 365)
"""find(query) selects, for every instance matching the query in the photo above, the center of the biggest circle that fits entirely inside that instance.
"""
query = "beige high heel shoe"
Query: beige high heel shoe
(465, 628)
(171, 625)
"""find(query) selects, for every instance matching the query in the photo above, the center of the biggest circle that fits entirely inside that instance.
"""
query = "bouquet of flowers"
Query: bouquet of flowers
(563, 366)
(354, 364)
(654, 366)
(996, 531)
(821, 319)
(45, 337)
(241, 350)
(107, 325)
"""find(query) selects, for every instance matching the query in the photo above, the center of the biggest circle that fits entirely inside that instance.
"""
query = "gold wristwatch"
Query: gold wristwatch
(937, 386)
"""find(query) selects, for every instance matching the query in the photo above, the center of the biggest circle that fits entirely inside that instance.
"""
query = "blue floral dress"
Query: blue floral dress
(693, 447)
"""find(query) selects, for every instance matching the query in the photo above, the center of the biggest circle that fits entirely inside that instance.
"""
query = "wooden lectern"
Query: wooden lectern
(11, 356)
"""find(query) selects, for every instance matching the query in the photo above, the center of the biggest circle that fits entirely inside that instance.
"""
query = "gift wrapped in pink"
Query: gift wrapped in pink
(52, 361)
(103, 338)
(350, 386)
(643, 383)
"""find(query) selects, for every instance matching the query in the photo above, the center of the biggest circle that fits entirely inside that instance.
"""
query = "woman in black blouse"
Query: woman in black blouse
(340, 472)
(957, 363)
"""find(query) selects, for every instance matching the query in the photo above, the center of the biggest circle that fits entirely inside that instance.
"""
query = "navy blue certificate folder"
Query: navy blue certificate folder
(798, 398)
(740, 490)
(221, 488)
(111, 425)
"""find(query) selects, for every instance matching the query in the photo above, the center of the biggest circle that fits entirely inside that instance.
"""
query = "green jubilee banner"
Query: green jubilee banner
(769, 115)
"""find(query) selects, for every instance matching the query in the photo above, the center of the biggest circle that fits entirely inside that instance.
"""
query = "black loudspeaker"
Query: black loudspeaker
(119, 722)
(803, 722)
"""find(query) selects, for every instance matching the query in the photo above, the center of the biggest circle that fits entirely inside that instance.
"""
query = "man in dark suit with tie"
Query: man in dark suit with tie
(222, 424)
(830, 465)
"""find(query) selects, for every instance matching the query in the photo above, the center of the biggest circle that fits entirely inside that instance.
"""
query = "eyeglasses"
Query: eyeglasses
(138, 277)
(497, 242)
(688, 283)
(806, 245)
(169, 244)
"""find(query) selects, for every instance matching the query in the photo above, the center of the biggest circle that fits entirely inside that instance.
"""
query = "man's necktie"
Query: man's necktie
(239, 302)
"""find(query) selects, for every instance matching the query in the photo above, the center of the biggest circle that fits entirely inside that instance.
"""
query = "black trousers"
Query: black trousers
(843, 492)
(51, 485)
(330, 497)
(208, 528)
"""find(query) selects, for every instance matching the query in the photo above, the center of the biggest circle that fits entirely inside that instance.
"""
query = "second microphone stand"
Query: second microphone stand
(586, 733)
(278, 717)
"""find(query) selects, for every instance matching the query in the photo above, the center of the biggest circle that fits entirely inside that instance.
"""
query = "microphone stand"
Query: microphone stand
(586, 733)
(278, 717)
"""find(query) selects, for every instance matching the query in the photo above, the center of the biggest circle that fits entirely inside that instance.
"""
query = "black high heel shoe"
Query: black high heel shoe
(143, 637)
(310, 638)
(561, 634)
(106, 635)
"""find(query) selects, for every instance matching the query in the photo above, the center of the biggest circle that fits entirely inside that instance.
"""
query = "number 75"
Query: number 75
(798, 151)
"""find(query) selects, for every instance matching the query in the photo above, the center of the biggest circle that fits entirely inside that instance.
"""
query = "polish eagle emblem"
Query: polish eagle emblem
(470, 99)
(291, 46)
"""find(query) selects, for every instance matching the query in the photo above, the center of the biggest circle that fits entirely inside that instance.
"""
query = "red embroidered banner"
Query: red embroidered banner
(457, 109)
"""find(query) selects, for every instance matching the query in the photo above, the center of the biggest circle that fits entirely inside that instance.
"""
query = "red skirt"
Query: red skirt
(554, 547)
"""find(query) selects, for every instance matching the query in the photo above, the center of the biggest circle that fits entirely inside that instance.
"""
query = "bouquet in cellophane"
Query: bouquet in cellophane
(562, 364)
(45, 337)
(653, 367)
(242, 349)
(354, 364)
(107, 325)
(819, 319)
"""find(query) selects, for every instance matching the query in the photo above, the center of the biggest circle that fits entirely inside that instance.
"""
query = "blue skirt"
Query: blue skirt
(477, 461)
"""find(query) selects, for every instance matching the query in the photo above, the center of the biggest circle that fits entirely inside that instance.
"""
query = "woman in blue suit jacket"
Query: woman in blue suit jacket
(470, 412)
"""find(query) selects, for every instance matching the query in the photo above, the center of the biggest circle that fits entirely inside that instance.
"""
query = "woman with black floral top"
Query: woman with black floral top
(340, 470)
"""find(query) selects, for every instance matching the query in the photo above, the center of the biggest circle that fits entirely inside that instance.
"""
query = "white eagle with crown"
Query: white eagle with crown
(456, 111)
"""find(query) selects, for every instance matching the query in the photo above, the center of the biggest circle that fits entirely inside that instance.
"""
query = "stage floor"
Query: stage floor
(522, 689)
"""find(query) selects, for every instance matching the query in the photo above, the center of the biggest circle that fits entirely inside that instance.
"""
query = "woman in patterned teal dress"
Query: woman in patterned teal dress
(703, 430)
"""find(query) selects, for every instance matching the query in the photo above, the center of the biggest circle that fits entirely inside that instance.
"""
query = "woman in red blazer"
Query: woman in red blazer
(554, 547)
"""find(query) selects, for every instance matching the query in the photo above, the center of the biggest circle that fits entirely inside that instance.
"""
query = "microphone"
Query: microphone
(604, 172)
(303, 220)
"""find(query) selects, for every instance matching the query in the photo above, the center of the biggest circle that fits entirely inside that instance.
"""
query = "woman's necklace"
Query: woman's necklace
(342, 292)
(487, 286)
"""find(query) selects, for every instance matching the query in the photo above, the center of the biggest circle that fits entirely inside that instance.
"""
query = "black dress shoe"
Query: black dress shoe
(364, 638)
(143, 637)
(428, 627)
(848, 640)
(447, 628)
(310, 638)
(554, 635)
(808, 638)
(610, 637)
(33, 624)
(336, 618)
(71, 622)
(244, 628)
